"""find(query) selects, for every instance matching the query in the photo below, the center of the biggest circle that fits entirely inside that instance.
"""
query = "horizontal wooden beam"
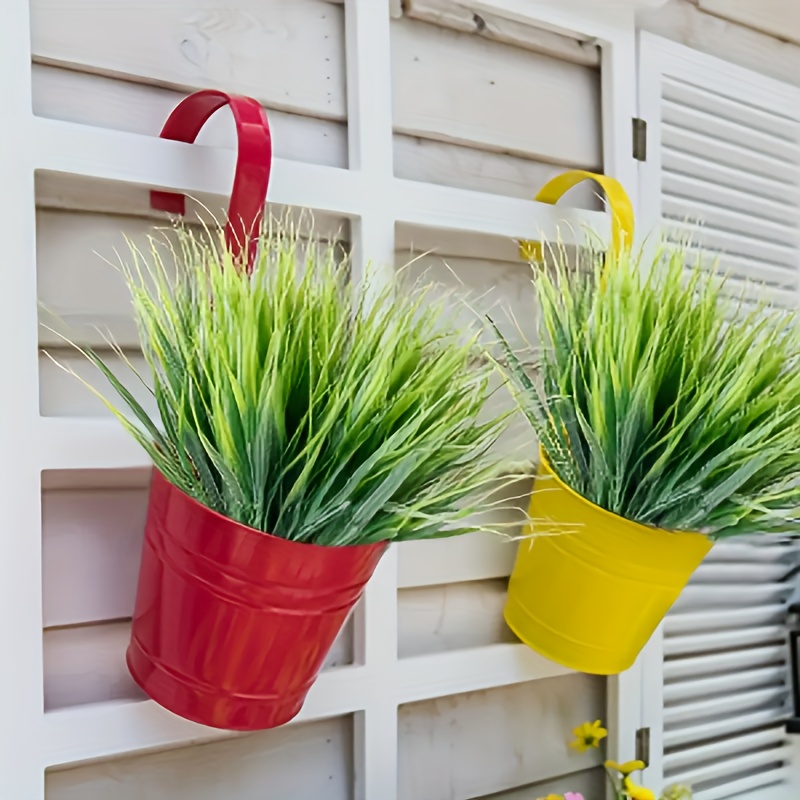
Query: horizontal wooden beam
(108, 730)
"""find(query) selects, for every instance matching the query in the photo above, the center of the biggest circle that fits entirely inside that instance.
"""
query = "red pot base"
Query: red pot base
(208, 705)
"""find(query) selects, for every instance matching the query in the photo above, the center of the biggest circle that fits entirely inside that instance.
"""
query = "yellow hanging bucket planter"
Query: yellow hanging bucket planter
(589, 587)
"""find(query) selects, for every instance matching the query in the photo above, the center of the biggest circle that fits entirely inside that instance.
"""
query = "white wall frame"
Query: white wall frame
(368, 193)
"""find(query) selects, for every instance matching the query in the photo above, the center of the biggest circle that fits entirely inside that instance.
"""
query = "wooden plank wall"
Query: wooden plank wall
(683, 21)
(774, 17)
(498, 109)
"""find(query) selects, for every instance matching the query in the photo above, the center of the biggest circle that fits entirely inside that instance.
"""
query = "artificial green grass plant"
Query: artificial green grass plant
(300, 403)
(663, 398)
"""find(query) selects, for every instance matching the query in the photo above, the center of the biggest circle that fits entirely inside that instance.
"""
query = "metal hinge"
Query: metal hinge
(639, 139)
(643, 745)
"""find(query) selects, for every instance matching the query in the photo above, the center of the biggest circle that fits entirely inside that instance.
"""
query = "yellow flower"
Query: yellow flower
(627, 768)
(552, 797)
(636, 792)
(588, 735)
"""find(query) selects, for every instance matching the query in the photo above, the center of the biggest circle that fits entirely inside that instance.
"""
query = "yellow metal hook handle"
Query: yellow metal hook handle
(618, 201)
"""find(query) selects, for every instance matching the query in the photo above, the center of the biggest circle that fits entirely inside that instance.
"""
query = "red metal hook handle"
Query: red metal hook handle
(253, 163)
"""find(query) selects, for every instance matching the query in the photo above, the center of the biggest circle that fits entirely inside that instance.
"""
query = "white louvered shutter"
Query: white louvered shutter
(723, 168)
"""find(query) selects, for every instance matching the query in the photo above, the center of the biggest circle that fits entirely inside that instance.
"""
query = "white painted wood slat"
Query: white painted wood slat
(723, 196)
(188, 45)
(774, 777)
(724, 768)
(698, 733)
(477, 556)
(732, 572)
(735, 703)
(714, 620)
(493, 87)
(717, 595)
(725, 747)
(497, 28)
(152, 162)
(771, 16)
(724, 684)
(726, 661)
(291, 55)
(724, 640)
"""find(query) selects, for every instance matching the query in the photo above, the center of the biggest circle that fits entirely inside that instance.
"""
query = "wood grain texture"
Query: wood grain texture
(778, 18)
(455, 616)
(289, 54)
(589, 782)
(529, 725)
(683, 22)
(106, 102)
(91, 542)
(466, 167)
(448, 85)
(123, 105)
(454, 87)
(87, 665)
(496, 28)
(310, 760)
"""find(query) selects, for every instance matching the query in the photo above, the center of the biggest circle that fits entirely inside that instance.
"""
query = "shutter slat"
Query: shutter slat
(718, 663)
(735, 157)
(738, 572)
(698, 190)
(771, 121)
(724, 640)
(675, 160)
(682, 759)
(724, 768)
(752, 551)
(676, 735)
(725, 243)
(731, 595)
(727, 704)
(737, 787)
(683, 690)
(680, 207)
(734, 132)
(714, 620)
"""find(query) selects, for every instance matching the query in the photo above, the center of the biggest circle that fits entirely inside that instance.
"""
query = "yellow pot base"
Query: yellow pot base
(560, 649)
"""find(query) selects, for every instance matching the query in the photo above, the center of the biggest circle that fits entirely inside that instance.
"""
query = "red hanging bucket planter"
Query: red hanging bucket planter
(232, 625)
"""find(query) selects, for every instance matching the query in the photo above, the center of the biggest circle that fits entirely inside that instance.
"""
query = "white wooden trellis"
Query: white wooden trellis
(372, 689)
